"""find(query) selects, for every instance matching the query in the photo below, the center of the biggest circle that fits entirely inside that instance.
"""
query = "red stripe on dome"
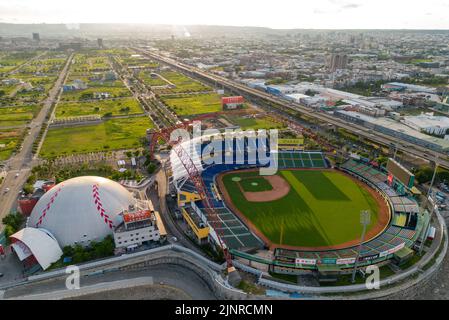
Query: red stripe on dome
(48, 206)
(99, 205)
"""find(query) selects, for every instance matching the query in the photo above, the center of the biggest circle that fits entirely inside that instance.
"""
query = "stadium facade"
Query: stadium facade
(397, 241)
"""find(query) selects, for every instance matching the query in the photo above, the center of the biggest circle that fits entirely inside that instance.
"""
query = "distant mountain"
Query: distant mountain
(120, 30)
(111, 30)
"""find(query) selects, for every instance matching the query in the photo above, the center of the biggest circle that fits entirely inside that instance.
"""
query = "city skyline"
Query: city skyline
(322, 14)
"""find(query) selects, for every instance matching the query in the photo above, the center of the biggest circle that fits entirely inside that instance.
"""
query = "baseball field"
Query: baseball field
(305, 209)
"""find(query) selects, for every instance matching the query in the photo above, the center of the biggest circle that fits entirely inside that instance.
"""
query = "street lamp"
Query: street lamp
(365, 219)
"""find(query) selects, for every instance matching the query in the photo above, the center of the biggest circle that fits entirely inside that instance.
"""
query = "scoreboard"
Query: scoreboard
(396, 170)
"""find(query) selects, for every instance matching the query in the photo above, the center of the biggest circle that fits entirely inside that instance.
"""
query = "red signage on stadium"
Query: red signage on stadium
(231, 100)
(390, 179)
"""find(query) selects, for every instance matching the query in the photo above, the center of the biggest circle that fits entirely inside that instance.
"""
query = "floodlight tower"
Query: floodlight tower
(365, 219)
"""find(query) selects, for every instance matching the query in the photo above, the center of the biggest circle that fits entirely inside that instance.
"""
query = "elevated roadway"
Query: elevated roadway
(288, 109)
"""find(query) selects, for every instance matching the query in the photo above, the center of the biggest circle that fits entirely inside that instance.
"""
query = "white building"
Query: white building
(138, 227)
(428, 123)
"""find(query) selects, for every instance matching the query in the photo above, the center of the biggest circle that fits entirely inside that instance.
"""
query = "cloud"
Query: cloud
(351, 6)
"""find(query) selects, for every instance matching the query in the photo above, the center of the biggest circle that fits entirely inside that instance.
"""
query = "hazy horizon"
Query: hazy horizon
(282, 14)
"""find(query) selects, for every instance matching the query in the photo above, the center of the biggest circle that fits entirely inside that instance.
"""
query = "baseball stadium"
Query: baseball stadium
(307, 215)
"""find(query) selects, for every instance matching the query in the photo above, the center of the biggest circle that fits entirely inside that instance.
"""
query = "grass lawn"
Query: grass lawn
(116, 107)
(8, 142)
(321, 209)
(17, 116)
(152, 80)
(254, 123)
(182, 83)
(185, 105)
(75, 95)
(112, 134)
(256, 184)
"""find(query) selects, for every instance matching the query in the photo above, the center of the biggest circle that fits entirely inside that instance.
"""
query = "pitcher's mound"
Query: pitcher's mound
(280, 189)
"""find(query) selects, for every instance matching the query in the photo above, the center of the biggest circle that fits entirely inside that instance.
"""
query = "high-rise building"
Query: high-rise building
(100, 42)
(36, 36)
(337, 61)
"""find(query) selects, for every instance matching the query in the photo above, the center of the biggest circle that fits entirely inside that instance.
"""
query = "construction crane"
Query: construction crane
(195, 177)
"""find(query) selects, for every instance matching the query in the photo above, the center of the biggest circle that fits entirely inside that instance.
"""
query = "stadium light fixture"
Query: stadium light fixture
(365, 219)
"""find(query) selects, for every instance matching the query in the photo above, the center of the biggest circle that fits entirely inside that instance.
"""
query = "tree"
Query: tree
(68, 251)
(13, 222)
(424, 174)
(103, 248)
(28, 188)
(151, 168)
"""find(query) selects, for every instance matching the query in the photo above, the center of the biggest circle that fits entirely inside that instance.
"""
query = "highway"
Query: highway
(22, 162)
(285, 108)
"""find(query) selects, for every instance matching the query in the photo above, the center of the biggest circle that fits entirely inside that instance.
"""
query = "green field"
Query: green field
(9, 138)
(255, 184)
(182, 83)
(185, 105)
(116, 107)
(152, 80)
(17, 116)
(87, 94)
(321, 209)
(246, 123)
(112, 134)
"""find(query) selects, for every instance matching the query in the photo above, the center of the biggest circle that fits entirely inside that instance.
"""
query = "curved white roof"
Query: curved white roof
(193, 147)
(81, 209)
(39, 243)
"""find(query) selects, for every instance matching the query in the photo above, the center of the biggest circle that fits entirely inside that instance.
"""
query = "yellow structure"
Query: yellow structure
(200, 232)
(187, 197)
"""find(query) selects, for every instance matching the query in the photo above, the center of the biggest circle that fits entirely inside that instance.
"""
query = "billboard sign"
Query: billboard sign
(328, 261)
(392, 250)
(369, 258)
(309, 262)
(400, 173)
(346, 261)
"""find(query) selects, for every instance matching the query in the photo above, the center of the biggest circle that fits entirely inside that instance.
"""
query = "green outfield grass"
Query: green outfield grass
(255, 184)
(321, 209)
(112, 134)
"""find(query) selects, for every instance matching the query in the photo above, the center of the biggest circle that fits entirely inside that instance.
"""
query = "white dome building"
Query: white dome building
(81, 209)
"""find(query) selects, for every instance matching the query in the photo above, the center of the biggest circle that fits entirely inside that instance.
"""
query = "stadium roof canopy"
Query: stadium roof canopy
(191, 147)
(199, 154)
(39, 243)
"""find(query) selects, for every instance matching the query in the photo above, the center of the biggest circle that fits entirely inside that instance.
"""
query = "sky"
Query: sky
(278, 14)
